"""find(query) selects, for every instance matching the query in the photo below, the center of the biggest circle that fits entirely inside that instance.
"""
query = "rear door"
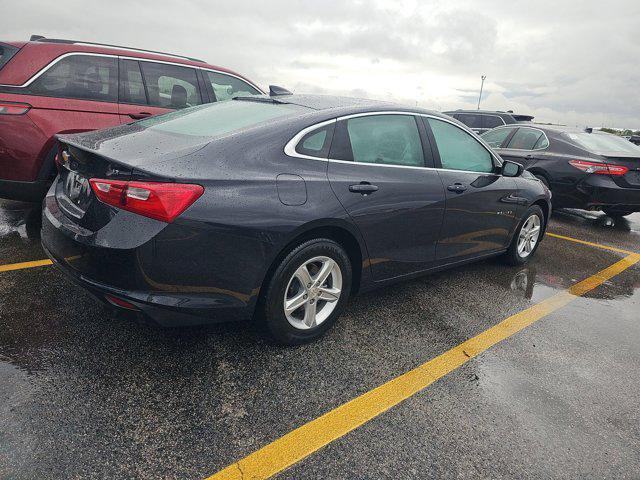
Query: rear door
(78, 93)
(526, 146)
(377, 170)
(481, 204)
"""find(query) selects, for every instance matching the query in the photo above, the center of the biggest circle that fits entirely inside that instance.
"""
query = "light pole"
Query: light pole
(481, 85)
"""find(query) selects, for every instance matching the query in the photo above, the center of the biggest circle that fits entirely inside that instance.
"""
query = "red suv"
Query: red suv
(51, 86)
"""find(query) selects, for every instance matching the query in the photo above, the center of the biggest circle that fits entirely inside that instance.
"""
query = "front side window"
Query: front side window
(226, 87)
(491, 121)
(525, 139)
(171, 86)
(458, 149)
(85, 77)
(495, 138)
(386, 139)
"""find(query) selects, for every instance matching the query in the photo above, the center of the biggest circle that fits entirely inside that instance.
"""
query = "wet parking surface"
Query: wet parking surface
(84, 394)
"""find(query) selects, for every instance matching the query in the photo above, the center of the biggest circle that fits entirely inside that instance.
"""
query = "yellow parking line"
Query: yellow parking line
(311, 437)
(591, 244)
(22, 265)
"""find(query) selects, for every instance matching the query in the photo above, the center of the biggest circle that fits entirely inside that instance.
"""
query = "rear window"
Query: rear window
(6, 52)
(220, 118)
(604, 144)
(85, 77)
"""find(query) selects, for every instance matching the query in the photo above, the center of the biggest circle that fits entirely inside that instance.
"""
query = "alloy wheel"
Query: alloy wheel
(312, 293)
(529, 235)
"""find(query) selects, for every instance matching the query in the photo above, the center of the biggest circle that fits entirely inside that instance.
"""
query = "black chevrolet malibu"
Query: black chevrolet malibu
(280, 208)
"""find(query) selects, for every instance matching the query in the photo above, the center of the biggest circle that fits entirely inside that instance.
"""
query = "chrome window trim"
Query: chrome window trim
(290, 150)
(512, 125)
(51, 64)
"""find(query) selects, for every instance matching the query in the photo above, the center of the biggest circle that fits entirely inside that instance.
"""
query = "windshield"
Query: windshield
(215, 119)
(605, 144)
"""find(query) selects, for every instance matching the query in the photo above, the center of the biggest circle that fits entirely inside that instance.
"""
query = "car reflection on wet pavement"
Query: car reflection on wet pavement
(87, 394)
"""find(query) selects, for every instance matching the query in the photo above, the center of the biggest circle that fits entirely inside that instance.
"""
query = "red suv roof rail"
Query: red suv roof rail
(39, 38)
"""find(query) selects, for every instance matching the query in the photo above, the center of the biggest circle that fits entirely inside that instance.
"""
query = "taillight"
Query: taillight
(599, 168)
(161, 201)
(14, 108)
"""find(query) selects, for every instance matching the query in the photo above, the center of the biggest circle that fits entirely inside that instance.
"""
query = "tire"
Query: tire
(297, 326)
(614, 212)
(515, 255)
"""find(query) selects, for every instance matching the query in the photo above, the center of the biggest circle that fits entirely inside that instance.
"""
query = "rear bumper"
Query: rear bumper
(126, 273)
(600, 191)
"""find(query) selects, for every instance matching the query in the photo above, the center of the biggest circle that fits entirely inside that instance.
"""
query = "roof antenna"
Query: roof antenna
(275, 91)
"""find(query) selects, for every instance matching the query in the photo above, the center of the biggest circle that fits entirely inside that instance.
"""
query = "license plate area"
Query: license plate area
(74, 193)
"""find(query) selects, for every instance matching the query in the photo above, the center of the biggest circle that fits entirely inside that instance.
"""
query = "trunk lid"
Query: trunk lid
(631, 179)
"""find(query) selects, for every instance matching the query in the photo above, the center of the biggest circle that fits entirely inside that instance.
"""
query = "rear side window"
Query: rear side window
(226, 86)
(386, 139)
(491, 121)
(495, 138)
(317, 142)
(471, 120)
(525, 139)
(83, 77)
(171, 86)
(131, 85)
(458, 149)
(6, 52)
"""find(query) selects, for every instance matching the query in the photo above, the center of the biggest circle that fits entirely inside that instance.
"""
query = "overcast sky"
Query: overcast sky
(570, 61)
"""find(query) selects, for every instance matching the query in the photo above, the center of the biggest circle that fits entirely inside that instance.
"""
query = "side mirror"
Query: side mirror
(511, 169)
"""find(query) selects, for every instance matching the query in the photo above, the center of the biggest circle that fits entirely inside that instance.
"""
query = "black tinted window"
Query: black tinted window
(80, 76)
(171, 86)
(524, 139)
(6, 52)
(226, 86)
(471, 120)
(491, 121)
(131, 86)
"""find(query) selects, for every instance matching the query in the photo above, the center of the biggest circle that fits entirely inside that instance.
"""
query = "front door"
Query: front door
(377, 170)
(481, 205)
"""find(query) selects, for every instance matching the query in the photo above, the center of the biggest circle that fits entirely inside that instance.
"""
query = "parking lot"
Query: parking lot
(546, 387)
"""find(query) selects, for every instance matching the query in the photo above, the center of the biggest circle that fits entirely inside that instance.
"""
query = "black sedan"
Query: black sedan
(280, 208)
(585, 169)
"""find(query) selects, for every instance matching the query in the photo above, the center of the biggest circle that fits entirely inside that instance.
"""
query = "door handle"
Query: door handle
(529, 157)
(457, 187)
(363, 188)
(138, 116)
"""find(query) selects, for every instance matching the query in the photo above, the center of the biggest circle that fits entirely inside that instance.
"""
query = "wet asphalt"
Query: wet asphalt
(84, 394)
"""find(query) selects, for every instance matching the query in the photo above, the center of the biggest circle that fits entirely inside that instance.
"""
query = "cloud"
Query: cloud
(570, 61)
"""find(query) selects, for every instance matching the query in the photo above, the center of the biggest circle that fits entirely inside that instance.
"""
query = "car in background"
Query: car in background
(52, 86)
(481, 121)
(635, 139)
(584, 168)
(280, 208)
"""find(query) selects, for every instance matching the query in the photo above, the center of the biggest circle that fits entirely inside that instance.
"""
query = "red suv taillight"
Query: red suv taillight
(599, 168)
(14, 108)
(161, 201)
